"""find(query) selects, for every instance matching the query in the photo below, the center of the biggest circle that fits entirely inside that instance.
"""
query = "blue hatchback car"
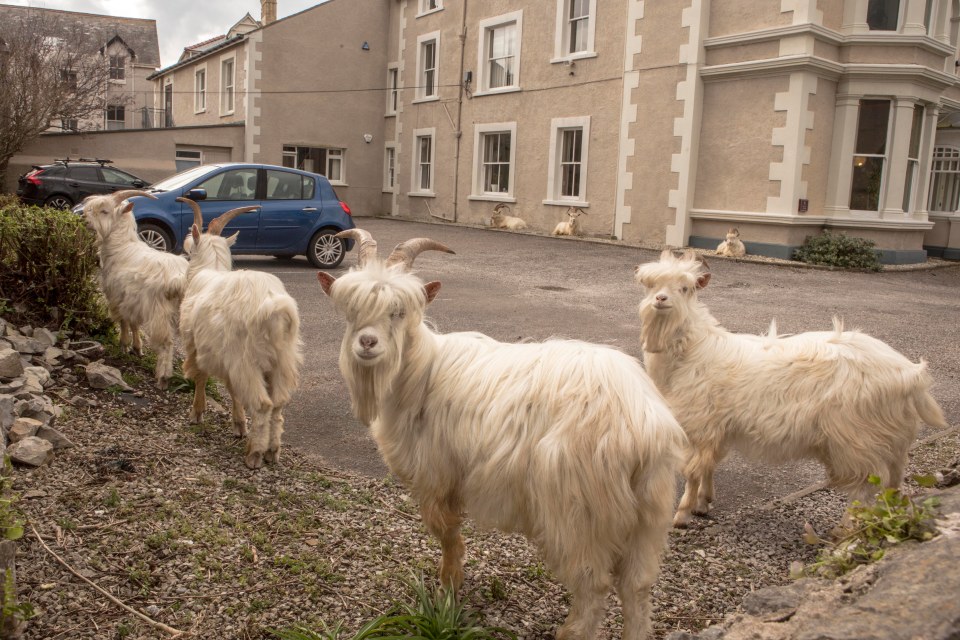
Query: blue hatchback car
(299, 211)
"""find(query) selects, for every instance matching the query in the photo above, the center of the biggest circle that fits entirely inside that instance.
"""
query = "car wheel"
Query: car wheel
(155, 236)
(326, 251)
(59, 202)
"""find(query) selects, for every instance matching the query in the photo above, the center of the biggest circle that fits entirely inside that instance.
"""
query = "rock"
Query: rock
(53, 355)
(54, 437)
(12, 387)
(27, 345)
(45, 336)
(9, 331)
(10, 365)
(26, 330)
(80, 401)
(23, 428)
(32, 451)
(103, 376)
(41, 375)
(34, 493)
(7, 412)
(38, 407)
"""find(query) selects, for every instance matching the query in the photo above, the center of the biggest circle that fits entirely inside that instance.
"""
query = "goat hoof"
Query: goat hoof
(254, 460)
(163, 383)
(239, 429)
(272, 455)
(681, 521)
(196, 417)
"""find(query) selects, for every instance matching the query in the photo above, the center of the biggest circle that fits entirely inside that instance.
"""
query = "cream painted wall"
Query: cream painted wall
(735, 16)
(184, 94)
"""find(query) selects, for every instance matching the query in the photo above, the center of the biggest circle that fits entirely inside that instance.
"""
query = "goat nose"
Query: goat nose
(661, 297)
(368, 342)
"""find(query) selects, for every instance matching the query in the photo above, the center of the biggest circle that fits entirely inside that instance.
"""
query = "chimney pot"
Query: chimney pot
(268, 11)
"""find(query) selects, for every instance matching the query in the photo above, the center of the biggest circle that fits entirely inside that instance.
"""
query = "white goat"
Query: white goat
(570, 226)
(243, 328)
(142, 286)
(732, 246)
(500, 220)
(565, 442)
(841, 397)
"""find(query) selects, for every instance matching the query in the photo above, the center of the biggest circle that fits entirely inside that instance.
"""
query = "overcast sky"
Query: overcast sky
(179, 22)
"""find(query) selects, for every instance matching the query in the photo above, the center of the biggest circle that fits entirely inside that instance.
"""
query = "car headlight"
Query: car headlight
(78, 208)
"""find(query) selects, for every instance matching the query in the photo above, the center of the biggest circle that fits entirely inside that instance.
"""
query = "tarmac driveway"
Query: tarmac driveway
(515, 286)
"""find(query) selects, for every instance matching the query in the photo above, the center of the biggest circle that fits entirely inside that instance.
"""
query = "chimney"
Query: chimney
(268, 11)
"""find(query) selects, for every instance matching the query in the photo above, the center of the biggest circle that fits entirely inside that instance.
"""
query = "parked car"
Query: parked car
(299, 212)
(66, 182)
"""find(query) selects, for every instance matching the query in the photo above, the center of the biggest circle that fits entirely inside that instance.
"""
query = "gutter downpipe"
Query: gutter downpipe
(458, 134)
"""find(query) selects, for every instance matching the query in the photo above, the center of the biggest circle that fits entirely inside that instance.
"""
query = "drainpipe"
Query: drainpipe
(459, 132)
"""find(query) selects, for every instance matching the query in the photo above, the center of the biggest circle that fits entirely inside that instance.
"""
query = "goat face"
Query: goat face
(671, 292)
(104, 217)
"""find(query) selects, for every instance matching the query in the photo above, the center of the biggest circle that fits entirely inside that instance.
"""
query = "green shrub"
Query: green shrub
(48, 264)
(839, 250)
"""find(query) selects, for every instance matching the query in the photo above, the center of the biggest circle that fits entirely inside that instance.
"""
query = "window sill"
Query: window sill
(493, 197)
(198, 112)
(338, 183)
(390, 114)
(427, 13)
(498, 90)
(386, 190)
(422, 194)
(117, 81)
(567, 203)
(572, 57)
(427, 99)
(227, 113)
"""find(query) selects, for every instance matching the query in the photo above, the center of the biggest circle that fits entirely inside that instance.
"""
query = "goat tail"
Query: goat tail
(927, 408)
(281, 322)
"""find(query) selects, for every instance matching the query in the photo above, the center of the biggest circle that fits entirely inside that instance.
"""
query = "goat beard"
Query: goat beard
(658, 328)
(368, 384)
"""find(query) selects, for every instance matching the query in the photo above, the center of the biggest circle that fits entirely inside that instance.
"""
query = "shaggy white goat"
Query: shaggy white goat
(243, 328)
(840, 397)
(565, 442)
(570, 226)
(142, 286)
(732, 246)
(500, 220)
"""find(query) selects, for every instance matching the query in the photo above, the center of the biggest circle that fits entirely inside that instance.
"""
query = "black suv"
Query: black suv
(66, 182)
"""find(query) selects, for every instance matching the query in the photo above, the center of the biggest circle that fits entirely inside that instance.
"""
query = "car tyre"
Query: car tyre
(325, 250)
(155, 236)
(59, 201)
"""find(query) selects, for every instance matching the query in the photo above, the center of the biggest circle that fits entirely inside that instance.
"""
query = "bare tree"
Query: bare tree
(51, 73)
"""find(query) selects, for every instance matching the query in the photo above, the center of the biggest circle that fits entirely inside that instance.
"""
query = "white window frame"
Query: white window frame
(912, 177)
(480, 131)
(555, 169)
(424, 8)
(415, 184)
(885, 157)
(483, 53)
(198, 159)
(393, 88)
(122, 69)
(901, 14)
(422, 41)
(390, 167)
(945, 179)
(200, 92)
(108, 120)
(336, 155)
(561, 36)
(228, 90)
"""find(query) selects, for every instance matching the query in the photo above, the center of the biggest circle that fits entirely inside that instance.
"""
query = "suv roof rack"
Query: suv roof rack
(67, 160)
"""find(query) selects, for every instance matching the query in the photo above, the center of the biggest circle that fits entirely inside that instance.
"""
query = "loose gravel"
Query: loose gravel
(166, 518)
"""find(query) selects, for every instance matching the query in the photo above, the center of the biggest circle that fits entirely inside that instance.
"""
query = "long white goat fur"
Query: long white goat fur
(500, 220)
(141, 285)
(841, 397)
(565, 442)
(241, 327)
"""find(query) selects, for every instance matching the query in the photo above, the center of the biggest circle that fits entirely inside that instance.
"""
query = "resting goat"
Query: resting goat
(565, 442)
(732, 246)
(841, 397)
(243, 328)
(570, 226)
(500, 220)
(142, 286)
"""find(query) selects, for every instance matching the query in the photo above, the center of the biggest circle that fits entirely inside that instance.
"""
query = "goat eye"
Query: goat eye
(398, 315)
(684, 289)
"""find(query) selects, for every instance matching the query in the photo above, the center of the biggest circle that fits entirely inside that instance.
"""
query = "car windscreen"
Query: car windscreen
(183, 178)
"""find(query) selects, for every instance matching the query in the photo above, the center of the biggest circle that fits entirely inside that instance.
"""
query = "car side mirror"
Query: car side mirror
(139, 184)
(196, 194)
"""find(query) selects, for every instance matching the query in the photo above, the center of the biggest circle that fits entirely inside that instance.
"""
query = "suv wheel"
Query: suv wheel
(325, 250)
(59, 201)
(155, 236)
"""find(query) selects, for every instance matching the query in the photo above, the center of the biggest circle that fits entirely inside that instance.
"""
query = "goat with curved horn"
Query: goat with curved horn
(197, 215)
(217, 224)
(120, 196)
(368, 246)
(406, 252)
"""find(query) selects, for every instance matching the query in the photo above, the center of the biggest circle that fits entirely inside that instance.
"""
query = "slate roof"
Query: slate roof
(139, 34)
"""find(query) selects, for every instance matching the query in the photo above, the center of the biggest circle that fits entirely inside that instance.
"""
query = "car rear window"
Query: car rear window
(84, 173)
(52, 172)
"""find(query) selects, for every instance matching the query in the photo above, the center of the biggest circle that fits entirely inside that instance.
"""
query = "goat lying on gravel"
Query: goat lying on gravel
(570, 226)
(840, 397)
(565, 442)
(142, 286)
(732, 247)
(501, 220)
(243, 328)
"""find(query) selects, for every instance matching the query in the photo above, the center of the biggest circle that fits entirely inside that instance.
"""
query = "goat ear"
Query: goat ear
(702, 280)
(432, 289)
(326, 281)
(127, 208)
(232, 240)
(195, 232)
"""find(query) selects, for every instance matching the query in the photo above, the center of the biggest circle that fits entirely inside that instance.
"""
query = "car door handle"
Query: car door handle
(309, 209)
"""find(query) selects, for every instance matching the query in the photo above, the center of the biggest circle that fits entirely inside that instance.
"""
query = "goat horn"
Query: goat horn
(218, 223)
(197, 216)
(368, 246)
(120, 196)
(405, 252)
